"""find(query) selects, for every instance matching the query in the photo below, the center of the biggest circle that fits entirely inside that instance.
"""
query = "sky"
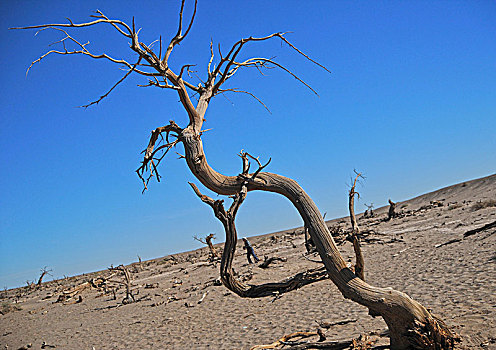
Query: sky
(410, 102)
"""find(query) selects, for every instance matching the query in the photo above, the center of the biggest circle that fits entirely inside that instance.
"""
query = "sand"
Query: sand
(456, 281)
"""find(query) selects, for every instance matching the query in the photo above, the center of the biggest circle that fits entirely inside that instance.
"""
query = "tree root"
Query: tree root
(433, 335)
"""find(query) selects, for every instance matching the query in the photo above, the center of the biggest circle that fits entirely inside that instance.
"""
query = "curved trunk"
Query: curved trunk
(226, 272)
(410, 324)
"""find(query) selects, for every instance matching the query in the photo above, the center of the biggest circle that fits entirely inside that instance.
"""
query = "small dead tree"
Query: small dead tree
(44, 272)
(126, 282)
(369, 212)
(391, 211)
(360, 264)
(410, 323)
(208, 242)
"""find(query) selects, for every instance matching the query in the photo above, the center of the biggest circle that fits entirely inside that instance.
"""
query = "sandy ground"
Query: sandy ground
(456, 281)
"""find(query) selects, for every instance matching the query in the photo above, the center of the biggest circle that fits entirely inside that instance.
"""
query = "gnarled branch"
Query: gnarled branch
(227, 219)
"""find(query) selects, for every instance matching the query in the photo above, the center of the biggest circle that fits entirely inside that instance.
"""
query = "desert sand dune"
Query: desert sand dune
(425, 252)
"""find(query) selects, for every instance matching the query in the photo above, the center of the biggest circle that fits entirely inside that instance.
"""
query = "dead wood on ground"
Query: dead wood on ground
(480, 229)
(268, 261)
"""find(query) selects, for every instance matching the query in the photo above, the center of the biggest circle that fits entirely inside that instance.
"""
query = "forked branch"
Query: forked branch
(227, 219)
(155, 145)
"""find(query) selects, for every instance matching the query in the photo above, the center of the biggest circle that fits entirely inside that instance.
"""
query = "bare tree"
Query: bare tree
(410, 323)
(370, 210)
(360, 264)
(44, 272)
(126, 282)
(208, 242)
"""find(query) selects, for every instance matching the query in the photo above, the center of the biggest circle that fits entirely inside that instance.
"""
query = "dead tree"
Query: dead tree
(44, 272)
(126, 282)
(410, 324)
(208, 242)
(369, 212)
(391, 211)
(360, 264)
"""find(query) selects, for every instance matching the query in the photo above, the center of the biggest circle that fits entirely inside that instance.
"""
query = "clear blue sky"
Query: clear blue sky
(410, 102)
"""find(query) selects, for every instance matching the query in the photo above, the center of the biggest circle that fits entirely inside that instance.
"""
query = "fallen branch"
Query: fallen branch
(203, 297)
(328, 325)
(480, 229)
(284, 339)
(96, 283)
(268, 261)
(449, 242)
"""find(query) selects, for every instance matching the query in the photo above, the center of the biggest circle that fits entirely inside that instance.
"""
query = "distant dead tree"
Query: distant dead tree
(369, 212)
(208, 242)
(410, 324)
(44, 272)
(391, 211)
(126, 282)
(360, 264)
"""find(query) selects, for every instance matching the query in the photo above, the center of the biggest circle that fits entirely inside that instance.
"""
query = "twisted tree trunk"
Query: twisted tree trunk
(410, 324)
(227, 218)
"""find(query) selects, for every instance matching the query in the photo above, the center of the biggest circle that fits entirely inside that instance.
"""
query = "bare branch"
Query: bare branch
(302, 53)
(259, 62)
(245, 92)
(202, 241)
(211, 58)
(150, 163)
(229, 66)
(114, 86)
(179, 36)
(186, 66)
(104, 19)
(244, 174)
(84, 51)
